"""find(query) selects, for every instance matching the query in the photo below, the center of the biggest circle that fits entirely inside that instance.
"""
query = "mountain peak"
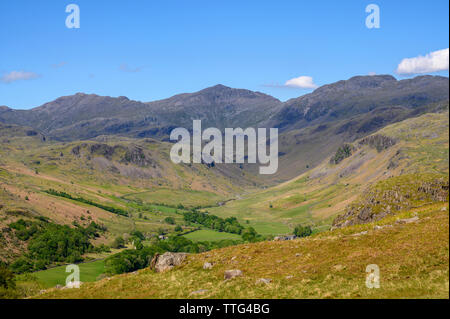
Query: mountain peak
(217, 88)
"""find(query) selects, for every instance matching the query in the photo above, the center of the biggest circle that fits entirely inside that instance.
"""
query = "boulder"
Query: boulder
(73, 284)
(229, 274)
(264, 281)
(167, 261)
(207, 265)
(199, 292)
(407, 220)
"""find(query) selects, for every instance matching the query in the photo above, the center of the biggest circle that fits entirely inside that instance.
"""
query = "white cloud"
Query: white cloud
(17, 76)
(303, 82)
(432, 62)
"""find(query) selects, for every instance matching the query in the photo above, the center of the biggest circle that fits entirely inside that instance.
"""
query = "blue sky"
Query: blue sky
(148, 50)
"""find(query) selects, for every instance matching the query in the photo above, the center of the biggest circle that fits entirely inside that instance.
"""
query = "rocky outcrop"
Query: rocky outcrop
(167, 261)
(137, 156)
(378, 141)
(393, 195)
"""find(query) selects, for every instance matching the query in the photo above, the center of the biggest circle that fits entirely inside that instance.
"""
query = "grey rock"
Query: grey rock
(230, 274)
(407, 220)
(264, 281)
(168, 260)
(199, 292)
(207, 265)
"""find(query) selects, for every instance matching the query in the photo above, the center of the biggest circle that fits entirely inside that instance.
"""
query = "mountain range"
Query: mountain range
(312, 126)
(84, 116)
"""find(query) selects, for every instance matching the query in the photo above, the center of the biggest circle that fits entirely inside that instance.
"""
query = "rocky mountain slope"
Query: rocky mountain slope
(359, 95)
(85, 116)
(414, 146)
(311, 126)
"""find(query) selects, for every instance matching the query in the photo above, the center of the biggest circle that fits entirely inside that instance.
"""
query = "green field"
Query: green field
(210, 235)
(57, 276)
(187, 197)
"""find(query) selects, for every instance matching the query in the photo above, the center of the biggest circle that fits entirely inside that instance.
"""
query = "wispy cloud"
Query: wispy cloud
(125, 68)
(432, 62)
(17, 76)
(302, 82)
(59, 65)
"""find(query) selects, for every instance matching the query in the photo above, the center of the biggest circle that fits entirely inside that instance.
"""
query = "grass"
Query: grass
(187, 197)
(210, 235)
(89, 272)
(413, 260)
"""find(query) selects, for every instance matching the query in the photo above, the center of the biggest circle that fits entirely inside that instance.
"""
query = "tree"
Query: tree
(302, 231)
(119, 242)
(138, 244)
(178, 228)
(170, 220)
(250, 235)
(6, 278)
(138, 234)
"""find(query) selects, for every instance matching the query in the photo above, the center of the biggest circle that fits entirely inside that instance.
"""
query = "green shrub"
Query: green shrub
(170, 220)
(302, 231)
(50, 243)
(229, 225)
(7, 278)
(119, 242)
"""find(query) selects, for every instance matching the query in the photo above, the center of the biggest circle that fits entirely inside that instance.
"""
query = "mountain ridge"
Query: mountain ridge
(222, 106)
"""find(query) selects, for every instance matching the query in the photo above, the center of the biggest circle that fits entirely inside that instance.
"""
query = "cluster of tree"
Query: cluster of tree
(114, 210)
(229, 225)
(133, 259)
(50, 243)
(129, 260)
(250, 235)
(342, 153)
(170, 220)
(7, 283)
(302, 231)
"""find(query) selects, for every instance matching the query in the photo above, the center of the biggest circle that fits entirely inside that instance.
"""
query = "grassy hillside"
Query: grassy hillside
(207, 234)
(109, 174)
(420, 145)
(412, 257)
